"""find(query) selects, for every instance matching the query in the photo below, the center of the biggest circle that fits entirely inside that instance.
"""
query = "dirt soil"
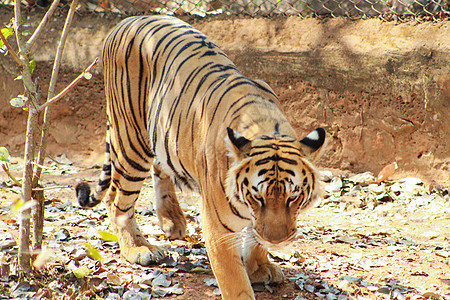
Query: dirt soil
(380, 89)
(362, 241)
(360, 246)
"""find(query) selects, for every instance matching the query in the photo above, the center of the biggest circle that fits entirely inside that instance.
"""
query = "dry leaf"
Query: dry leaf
(113, 279)
(386, 172)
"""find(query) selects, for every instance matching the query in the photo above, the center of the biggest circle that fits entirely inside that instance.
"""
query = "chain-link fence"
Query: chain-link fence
(386, 9)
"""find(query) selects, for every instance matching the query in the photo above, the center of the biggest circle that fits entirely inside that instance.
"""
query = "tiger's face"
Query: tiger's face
(275, 181)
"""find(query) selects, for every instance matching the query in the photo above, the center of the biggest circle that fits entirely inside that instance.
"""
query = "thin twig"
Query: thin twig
(6, 169)
(51, 88)
(43, 167)
(51, 188)
(10, 50)
(80, 221)
(69, 87)
(41, 25)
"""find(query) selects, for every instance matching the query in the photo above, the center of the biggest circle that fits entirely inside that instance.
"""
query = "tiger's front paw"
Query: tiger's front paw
(266, 273)
(143, 255)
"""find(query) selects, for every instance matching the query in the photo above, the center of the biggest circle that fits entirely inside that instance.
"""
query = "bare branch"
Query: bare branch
(17, 28)
(43, 167)
(42, 25)
(52, 188)
(24, 258)
(50, 94)
(10, 50)
(70, 86)
(6, 169)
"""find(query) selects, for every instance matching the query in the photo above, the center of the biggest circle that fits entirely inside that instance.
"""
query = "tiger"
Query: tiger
(178, 106)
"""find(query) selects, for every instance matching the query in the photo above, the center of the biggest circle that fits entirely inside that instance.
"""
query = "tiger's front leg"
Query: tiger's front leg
(134, 247)
(257, 264)
(224, 252)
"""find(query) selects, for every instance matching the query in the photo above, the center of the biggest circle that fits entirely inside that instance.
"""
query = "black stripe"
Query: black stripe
(129, 193)
(236, 212)
(290, 172)
(274, 158)
(126, 176)
(125, 209)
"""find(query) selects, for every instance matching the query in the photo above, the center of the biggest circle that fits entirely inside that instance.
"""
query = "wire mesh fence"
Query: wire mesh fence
(386, 9)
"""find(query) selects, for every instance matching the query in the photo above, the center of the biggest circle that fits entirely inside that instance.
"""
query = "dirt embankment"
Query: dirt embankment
(381, 90)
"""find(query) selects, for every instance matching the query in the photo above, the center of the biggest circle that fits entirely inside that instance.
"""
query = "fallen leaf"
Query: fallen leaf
(80, 272)
(386, 172)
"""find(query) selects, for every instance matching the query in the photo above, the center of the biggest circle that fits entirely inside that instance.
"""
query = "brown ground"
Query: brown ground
(390, 246)
(339, 241)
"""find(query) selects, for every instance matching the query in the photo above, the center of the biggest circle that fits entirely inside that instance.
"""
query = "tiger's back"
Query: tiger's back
(178, 106)
(185, 82)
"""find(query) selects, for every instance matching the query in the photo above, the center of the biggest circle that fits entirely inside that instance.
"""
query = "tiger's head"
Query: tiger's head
(272, 177)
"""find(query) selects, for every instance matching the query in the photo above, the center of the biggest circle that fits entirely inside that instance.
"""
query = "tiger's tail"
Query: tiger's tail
(82, 189)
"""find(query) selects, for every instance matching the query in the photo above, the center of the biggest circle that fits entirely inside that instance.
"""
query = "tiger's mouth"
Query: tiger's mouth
(275, 245)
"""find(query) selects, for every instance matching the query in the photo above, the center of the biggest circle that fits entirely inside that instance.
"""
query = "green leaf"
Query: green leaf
(4, 154)
(19, 101)
(32, 66)
(93, 253)
(107, 236)
(80, 272)
(20, 205)
(87, 75)
(7, 32)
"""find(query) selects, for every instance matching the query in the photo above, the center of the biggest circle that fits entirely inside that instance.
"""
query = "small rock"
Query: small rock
(161, 280)
(174, 290)
(187, 267)
(217, 292)
(113, 296)
(396, 294)
(331, 296)
(334, 186)
(352, 279)
(159, 293)
(7, 244)
(309, 288)
(62, 235)
(325, 176)
(210, 282)
(362, 178)
(136, 295)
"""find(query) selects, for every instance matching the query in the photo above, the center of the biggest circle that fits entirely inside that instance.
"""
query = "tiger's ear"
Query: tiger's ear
(240, 146)
(313, 143)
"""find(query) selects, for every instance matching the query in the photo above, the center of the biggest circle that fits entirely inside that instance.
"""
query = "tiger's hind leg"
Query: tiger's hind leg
(128, 173)
(170, 215)
(259, 267)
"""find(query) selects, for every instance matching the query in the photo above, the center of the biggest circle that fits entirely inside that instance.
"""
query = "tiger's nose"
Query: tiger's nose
(275, 233)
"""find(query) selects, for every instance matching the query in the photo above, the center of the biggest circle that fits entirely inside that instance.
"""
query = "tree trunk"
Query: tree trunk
(24, 231)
